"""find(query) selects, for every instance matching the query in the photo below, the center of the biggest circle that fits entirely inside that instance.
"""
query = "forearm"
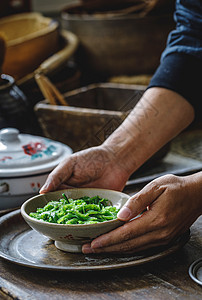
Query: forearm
(158, 117)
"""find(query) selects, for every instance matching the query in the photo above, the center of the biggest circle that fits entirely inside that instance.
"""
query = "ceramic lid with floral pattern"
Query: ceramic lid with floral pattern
(24, 154)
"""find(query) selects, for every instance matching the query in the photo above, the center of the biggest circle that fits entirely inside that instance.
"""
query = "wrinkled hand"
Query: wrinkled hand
(93, 167)
(174, 203)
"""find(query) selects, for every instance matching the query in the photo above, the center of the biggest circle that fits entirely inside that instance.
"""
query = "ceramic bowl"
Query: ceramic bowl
(71, 237)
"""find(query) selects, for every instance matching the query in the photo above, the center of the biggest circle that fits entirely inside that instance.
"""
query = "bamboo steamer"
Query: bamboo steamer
(31, 38)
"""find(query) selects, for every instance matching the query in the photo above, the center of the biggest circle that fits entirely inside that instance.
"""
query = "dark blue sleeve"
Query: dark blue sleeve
(180, 67)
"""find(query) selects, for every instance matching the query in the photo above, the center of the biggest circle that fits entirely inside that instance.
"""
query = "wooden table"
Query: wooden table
(167, 278)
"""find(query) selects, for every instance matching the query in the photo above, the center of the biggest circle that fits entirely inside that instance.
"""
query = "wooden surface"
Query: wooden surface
(167, 279)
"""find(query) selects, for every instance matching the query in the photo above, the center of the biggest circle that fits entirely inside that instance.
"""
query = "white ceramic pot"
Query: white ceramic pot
(25, 162)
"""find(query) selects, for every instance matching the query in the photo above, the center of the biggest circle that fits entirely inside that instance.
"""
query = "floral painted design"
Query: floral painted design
(38, 149)
(5, 158)
(67, 237)
(33, 148)
(35, 186)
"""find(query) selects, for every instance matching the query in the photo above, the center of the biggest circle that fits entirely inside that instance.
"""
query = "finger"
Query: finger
(139, 202)
(59, 175)
(130, 230)
(149, 240)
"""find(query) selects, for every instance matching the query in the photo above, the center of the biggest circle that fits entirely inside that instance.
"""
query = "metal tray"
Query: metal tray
(21, 245)
(6, 211)
(195, 271)
(172, 163)
(184, 157)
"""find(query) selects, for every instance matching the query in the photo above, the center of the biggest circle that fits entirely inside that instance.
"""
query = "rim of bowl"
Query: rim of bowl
(66, 15)
(51, 25)
(24, 213)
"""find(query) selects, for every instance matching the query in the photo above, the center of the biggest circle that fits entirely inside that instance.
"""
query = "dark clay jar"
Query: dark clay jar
(13, 104)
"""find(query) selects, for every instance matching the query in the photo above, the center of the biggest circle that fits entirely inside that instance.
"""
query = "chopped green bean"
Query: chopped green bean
(85, 210)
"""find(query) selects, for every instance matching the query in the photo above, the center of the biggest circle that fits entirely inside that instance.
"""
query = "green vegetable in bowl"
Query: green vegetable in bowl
(84, 210)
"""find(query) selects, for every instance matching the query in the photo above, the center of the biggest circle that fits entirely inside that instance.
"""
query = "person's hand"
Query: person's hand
(93, 167)
(173, 204)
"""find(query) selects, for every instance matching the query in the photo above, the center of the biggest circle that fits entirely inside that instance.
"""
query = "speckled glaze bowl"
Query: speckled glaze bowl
(71, 237)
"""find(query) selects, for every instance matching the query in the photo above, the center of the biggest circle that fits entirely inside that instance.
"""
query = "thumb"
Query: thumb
(139, 202)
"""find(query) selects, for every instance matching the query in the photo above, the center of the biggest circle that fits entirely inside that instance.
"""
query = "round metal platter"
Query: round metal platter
(195, 271)
(21, 245)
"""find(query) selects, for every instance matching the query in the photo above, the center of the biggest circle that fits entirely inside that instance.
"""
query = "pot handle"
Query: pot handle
(4, 187)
